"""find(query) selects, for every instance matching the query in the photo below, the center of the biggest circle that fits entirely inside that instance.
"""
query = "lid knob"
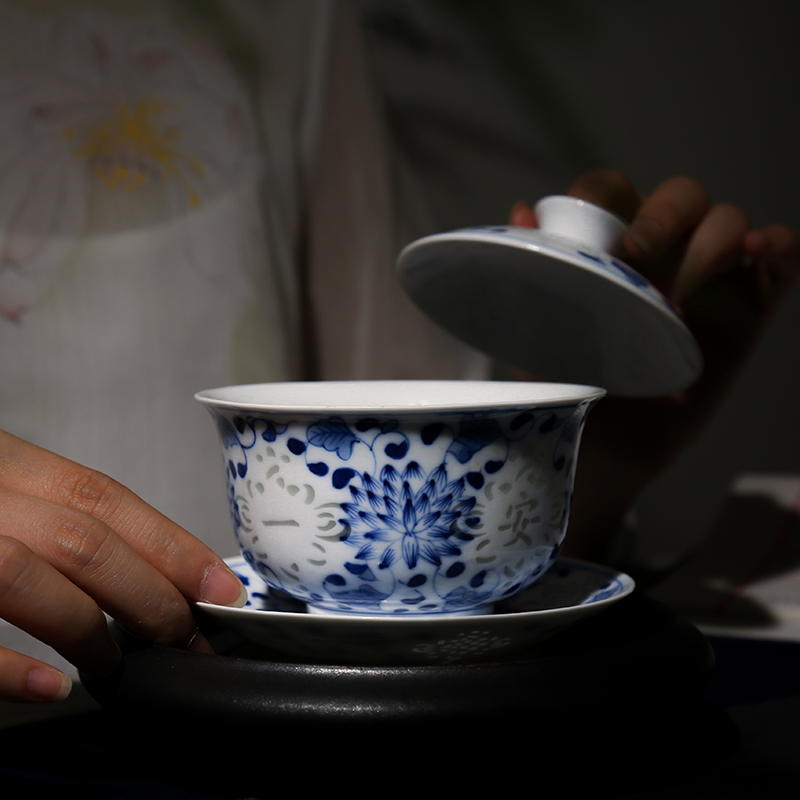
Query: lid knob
(581, 222)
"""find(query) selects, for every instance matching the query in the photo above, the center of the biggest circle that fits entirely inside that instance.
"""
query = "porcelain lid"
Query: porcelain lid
(555, 301)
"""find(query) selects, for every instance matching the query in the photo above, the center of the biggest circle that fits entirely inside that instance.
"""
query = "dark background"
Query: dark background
(491, 102)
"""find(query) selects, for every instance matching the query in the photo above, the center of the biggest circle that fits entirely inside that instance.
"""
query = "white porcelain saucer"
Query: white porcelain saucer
(571, 591)
(554, 301)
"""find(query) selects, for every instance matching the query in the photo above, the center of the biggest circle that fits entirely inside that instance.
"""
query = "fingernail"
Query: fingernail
(648, 237)
(222, 588)
(199, 644)
(48, 685)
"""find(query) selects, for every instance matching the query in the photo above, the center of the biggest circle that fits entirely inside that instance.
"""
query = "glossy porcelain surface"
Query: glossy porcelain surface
(400, 497)
(579, 221)
(570, 591)
(557, 301)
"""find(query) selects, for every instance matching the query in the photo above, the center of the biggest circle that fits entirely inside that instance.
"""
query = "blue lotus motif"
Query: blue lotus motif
(407, 516)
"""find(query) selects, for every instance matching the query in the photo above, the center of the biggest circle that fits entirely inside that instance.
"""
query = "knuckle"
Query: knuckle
(79, 543)
(88, 491)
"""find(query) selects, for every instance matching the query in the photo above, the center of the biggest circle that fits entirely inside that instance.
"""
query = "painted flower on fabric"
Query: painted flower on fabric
(125, 122)
(405, 516)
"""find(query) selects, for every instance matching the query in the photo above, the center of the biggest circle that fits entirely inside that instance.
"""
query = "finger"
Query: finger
(775, 251)
(41, 601)
(777, 243)
(715, 247)
(778, 248)
(728, 315)
(25, 680)
(92, 557)
(196, 571)
(667, 218)
(523, 216)
(609, 189)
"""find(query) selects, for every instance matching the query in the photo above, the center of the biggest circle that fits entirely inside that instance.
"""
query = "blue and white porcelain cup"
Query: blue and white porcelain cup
(400, 497)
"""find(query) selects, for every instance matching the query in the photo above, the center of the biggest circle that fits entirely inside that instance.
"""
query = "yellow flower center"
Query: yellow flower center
(132, 148)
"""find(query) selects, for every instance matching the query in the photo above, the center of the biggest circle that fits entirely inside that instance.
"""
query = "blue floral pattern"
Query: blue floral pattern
(570, 592)
(444, 516)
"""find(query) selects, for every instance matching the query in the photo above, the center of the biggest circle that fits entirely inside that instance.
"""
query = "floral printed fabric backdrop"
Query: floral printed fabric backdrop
(119, 123)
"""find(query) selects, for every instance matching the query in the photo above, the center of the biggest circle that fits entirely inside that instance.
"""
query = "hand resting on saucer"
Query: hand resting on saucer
(726, 280)
(74, 543)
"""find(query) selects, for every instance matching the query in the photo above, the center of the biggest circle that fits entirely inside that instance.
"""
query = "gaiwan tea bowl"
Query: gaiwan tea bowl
(400, 497)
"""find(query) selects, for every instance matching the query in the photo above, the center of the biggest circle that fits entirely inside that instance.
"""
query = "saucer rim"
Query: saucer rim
(426, 620)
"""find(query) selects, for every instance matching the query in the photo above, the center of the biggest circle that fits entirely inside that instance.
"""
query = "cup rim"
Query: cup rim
(389, 396)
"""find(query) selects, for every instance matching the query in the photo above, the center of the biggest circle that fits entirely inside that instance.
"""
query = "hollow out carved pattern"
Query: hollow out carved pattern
(440, 517)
